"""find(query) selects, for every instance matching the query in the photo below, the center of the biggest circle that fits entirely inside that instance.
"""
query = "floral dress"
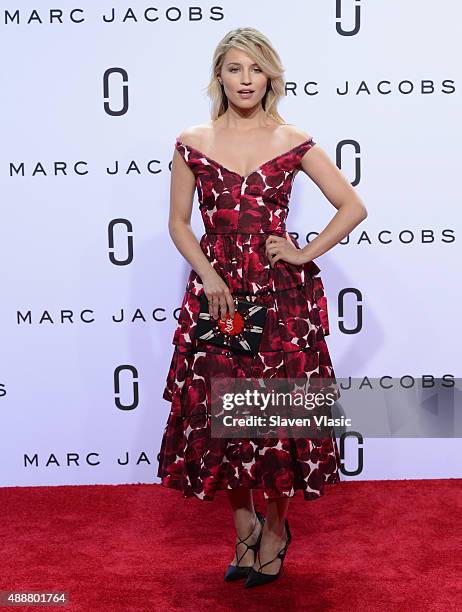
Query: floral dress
(239, 213)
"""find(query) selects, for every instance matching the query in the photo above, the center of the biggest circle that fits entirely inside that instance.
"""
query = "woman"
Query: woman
(246, 249)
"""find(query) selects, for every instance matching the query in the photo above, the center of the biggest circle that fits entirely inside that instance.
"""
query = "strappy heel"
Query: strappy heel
(257, 577)
(235, 572)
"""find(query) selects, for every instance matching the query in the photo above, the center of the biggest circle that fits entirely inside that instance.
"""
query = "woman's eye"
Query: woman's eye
(234, 69)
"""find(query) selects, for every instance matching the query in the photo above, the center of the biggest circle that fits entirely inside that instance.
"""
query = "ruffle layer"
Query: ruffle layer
(294, 295)
(198, 465)
(240, 260)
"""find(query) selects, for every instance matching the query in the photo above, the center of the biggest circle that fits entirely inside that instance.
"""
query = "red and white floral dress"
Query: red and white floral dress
(239, 213)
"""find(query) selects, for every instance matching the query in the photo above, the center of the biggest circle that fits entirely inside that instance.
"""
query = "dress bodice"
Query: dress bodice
(256, 203)
(239, 213)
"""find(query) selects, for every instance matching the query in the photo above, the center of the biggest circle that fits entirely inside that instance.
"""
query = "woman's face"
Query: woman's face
(240, 72)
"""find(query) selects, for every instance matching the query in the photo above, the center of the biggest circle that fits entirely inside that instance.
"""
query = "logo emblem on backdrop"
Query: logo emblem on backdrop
(119, 90)
(347, 12)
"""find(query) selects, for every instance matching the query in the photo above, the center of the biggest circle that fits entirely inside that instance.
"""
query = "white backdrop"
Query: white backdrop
(82, 244)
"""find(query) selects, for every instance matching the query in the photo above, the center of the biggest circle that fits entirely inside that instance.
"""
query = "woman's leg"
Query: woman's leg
(244, 520)
(274, 535)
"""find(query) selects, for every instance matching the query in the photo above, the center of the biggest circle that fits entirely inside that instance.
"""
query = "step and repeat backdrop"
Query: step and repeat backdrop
(93, 97)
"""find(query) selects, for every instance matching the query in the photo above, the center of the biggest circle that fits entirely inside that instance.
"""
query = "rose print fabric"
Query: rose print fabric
(239, 213)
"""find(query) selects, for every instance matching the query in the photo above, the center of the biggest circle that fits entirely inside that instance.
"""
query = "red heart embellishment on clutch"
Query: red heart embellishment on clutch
(231, 326)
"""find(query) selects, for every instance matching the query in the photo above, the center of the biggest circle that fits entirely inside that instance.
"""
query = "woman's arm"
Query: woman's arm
(334, 185)
(182, 187)
(351, 210)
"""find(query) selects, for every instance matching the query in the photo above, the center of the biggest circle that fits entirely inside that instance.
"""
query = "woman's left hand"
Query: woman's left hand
(278, 247)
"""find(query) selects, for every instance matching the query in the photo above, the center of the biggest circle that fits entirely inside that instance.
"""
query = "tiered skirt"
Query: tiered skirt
(293, 346)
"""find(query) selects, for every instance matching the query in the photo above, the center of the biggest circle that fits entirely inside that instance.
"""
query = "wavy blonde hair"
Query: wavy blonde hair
(260, 49)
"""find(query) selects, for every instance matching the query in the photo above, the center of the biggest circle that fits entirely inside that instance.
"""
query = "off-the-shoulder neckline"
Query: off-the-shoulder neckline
(273, 159)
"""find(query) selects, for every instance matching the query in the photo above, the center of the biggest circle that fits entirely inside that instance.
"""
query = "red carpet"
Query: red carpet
(363, 546)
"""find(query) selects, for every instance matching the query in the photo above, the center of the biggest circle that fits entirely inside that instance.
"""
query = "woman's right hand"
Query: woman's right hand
(219, 296)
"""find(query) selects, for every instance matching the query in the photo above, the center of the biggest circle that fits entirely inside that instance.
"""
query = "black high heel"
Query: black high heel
(256, 577)
(235, 572)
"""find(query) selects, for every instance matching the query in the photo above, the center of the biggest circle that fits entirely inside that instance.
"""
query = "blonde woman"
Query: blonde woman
(243, 163)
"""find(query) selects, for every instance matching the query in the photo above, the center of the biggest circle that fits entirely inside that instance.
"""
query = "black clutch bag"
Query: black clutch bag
(241, 334)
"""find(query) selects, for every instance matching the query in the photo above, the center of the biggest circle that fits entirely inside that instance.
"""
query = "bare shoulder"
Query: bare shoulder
(294, 134)
(194, 135)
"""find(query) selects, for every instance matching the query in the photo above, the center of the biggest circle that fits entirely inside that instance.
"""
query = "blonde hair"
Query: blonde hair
(260, 49)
